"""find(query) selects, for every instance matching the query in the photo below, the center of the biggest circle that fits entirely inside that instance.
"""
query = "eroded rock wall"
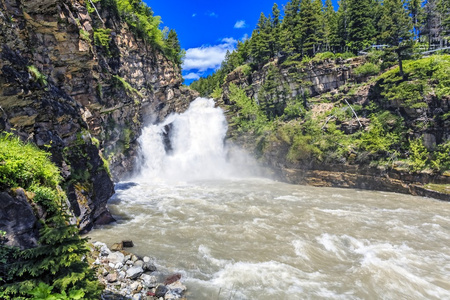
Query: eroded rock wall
(85, 103)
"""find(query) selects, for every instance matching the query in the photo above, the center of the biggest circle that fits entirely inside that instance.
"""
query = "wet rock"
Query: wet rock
(134, 272)
(172, 278)
(177, 288)
(161, 291)
(149, 267)
(149, 280)
(116, 257)
(117, 247)
(128, 244)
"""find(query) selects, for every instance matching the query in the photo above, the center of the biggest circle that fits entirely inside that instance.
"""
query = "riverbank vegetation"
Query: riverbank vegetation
(391, 113)
(55, 268)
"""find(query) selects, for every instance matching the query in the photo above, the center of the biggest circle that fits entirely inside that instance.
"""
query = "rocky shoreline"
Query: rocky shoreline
(128, 276)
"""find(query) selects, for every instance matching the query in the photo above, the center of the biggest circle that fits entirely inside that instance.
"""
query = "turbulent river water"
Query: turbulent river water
(200, 212)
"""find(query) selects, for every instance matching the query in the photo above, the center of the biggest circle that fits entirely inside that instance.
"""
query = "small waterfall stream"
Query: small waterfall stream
(242, 237)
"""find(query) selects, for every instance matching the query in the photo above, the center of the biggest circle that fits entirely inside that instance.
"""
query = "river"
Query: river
(197, 207)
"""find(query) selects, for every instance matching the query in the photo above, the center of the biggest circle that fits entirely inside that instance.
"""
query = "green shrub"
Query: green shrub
(367, 69)
(418, 155)
(323, 56)
(55, 268)
(102, 38)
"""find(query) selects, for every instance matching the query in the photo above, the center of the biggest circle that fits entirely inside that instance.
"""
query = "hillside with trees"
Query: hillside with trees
(353, 90)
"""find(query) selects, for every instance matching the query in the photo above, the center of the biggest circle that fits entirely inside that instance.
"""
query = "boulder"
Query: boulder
(161, 291)
(117, 247)
(149, 280)
(112, 277)
(18, 220)
(116, 257)
(134, 272)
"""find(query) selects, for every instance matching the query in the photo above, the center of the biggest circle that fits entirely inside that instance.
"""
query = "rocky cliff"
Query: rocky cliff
(343, 123)
(82, 85)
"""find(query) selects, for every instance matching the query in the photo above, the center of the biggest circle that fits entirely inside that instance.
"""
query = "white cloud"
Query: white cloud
(191, 75)
(208, 57)
(194, 15)
(240, 24)
(213, 15)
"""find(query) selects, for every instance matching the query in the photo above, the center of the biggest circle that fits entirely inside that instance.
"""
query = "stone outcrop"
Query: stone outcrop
(314, 78)
(84, 103)
(327, 83)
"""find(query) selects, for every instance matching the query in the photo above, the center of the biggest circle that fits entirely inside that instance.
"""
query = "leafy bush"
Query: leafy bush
(367, 69)
(102, 38)
(55, 268)
(323, 56)
(25, 165)
(418, 156)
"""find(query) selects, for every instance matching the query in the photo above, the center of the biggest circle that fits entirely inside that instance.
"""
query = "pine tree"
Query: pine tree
(173, 47)
(275, 42)
(396, 29)
(290, 36)
(415, 11)
(309, 24)
(361, 29)
(433, 24)
(330, 26)
(259, 47)
(445, 12)
(343, 20)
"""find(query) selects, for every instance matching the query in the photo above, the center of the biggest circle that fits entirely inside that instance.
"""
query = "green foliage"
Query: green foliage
(89, 6)
(141, 19)
(217, 93)
(128, 88)
(38, 76)
(84, 35)
(418, 155)
(25, 165)
(440, 160)
(377, 138)
(102, 38)
(249, 116)
(425, 76)
(55, 268)
(367, 69)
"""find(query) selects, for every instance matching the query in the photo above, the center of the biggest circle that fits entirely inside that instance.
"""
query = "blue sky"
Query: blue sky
(207, 29)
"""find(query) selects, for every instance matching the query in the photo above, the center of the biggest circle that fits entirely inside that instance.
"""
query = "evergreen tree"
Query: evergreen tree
(396, 29)
(445, 12)
(343, 20)
(415, 11)
(309, 25)
(361, 29)
(330, 26)
(290, 36)
(275, 42)
(174, 51)
(259, 47)
(433, 24)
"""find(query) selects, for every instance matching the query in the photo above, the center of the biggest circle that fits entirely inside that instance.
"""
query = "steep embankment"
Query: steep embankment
(334, 122)
(81, 85)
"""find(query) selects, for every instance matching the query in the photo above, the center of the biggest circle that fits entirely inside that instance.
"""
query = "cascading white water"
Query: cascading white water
(252, 238)
(197, 141)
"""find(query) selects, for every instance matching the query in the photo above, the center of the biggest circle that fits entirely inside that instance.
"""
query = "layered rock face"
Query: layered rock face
(329, 84)
(85, 103)
(315, 79)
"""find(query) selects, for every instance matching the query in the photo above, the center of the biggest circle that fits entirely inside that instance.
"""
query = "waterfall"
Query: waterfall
(187, 146)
